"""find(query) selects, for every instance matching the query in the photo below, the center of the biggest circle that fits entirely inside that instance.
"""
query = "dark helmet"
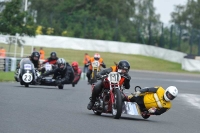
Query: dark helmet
(61, 64)
(123, 65)
(35, 54)
(53, 55)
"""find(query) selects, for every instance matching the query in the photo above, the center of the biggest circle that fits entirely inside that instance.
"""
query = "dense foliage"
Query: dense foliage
(117, 20)
(13, 20)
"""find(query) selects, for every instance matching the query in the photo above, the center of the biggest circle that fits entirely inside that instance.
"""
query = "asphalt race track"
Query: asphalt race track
(44, 109)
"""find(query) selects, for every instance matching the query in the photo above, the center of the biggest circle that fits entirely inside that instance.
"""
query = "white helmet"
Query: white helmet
(62, 62)
(170, 93)
(97, 56)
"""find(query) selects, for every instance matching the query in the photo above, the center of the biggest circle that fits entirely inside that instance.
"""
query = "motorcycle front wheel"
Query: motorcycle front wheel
(117, 105)
(93, 78)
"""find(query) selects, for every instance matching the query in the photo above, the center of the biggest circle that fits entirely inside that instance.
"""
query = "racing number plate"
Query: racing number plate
(114, 77)
(27, 77)
(48, 67)
(95, 64)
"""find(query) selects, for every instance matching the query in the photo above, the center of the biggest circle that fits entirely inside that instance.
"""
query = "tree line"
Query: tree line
(117, 20)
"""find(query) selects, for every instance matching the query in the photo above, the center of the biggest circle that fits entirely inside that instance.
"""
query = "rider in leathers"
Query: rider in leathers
(77, 73)
(34, 58)
(52, 59)
(96, 57)
(122, 67)
(154, 100)
(64, 70)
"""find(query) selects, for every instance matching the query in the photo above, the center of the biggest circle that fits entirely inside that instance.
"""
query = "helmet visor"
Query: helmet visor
(75, 67)
(35, 58)
(96, 58)
(61, 66)
(122, 71)
(53, 57)
(169, 95)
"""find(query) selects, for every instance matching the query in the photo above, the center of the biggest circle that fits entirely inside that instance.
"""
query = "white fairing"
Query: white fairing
(48, 67)
(114, 77)
(130, 108)
(27, 77)
(95, 64)
(27, 66)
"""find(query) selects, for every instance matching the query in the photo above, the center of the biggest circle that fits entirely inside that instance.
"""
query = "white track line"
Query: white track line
(170, 80)
(192, 99)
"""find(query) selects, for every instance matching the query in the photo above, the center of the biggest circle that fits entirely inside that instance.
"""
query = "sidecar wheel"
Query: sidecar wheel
(145, 116)
(117, 106)
(60, 87)
(96, 112)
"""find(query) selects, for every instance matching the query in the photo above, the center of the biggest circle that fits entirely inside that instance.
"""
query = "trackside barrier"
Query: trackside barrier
(5, 64)
(2, 64)
(10, 63)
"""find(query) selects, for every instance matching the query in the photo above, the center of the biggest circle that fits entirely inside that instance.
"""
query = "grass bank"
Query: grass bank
(138, 62)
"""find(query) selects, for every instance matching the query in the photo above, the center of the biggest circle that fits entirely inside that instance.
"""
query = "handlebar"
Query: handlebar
(102, 76)
(137, 87)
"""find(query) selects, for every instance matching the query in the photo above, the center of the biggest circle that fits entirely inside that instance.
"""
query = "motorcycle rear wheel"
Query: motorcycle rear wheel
(60, 87)
(117, 106)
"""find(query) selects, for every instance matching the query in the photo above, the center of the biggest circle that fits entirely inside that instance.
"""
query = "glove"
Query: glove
(152, 110)
(137, 93)
(58, 82)
(127, 76)
(130, 96)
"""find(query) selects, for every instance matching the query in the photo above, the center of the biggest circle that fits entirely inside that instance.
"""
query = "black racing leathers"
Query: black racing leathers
(66, 75)
(99, 85)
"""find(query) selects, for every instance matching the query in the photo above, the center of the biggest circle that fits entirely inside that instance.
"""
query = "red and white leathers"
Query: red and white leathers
(77, 72)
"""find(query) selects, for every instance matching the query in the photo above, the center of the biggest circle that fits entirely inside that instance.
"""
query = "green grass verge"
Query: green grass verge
(6, 76)
(137, 62)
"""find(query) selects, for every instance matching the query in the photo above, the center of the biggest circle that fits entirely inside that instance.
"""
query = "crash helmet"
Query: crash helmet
(35, 56)
(61, 63)
(53, 55)
(123, 66)
(75, 65)
(170, 93)
(97, 56)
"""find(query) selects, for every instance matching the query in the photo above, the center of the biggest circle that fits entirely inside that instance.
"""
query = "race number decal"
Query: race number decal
(114, 77)
(95, 64)
(48, 67)
(27, 77)
(27, 66)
